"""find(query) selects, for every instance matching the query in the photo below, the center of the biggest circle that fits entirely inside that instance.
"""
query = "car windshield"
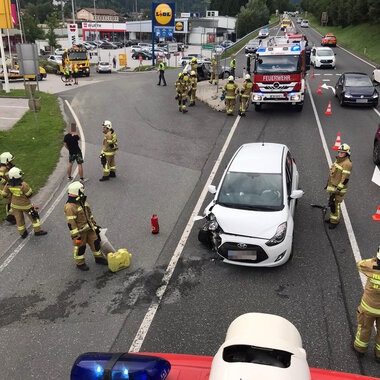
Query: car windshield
(278, 64)
(324, 53)
(330, 38)
(78, 56)
(253, 43)
(251, 191)
(103, 63)
(359, 81)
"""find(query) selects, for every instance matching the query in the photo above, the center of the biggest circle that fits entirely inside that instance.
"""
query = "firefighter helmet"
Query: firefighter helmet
(15, 173)
(345, 148)
(194, 59)
(192, 73)
(230, 78)
(6, 157)
(247, 76)
(107, 124)
(75, 189)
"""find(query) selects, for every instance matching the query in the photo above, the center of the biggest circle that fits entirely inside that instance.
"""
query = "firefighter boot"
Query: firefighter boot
(40, 233)
(104, 179)
(83, 267)
(11, 219)
(112, 174)
(25, 234)
(101, 260)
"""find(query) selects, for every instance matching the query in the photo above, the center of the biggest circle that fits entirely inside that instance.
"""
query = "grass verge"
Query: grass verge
(36, 151)
(363, 39)
(228, 52)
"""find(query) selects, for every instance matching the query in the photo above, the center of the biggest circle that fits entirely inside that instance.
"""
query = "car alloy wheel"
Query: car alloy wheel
(376, 153)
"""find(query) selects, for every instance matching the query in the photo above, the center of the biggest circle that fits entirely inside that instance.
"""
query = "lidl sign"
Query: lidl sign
(179, 25)
(163, 14)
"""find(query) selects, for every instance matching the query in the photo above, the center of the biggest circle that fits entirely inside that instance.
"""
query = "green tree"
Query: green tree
(31, 29)
(252, 16)
(52, 23)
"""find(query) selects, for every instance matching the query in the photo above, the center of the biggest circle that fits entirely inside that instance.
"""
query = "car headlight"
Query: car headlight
(279, 236)
(257, 96)
(375, 95)
(347, 95)
(213, 225)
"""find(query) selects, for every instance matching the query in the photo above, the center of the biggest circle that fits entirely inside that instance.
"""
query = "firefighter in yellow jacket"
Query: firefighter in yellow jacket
(20, 203)
(194, 64)
(338, 182)
(182, 87)
(107, 155)
(245, 94)
(82, 226)
(230, 90)
(193, 88)
(213, 71)
(369, 309)
(6, 163)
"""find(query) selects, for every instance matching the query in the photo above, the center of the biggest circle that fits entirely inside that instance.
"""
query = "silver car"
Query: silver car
(104, 67)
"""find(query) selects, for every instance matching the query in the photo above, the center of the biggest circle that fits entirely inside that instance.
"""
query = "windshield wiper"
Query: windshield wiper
(258, 208)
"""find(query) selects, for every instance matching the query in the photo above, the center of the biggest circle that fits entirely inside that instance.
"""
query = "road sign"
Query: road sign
(208, 47)
(5, 15)
(122, 59)
(185, 14)
(164, 32)
(194, 14)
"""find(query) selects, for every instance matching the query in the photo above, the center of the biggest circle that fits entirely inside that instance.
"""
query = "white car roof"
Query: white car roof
(258, 158)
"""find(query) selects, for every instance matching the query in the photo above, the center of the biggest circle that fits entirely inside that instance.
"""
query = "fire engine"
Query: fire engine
(279, 71)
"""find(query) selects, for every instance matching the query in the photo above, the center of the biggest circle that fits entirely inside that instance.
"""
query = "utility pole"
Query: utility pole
(73, 9)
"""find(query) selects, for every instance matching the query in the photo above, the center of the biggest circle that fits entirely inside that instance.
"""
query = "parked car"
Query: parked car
(356, 89)
(144, 45)
(263, 33)
(226, 43)
(304, 23)
(136, 49)
(197, 56)
(322, 57)
(59, 52)
(185, 60)
(376, 147)
(250, 221)
(218, 49)
(88, 45)
(107, 45)
(252, 46)
(299, 20)
(55, 59)
(104, 67)
(144, 54)
(376, 75)
(328, 40)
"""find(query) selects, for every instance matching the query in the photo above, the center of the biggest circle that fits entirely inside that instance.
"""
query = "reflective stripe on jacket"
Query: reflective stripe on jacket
(371, 296)
(339, 175)
(20, 196)
(78, 217)
(231, 90)
(246, 89)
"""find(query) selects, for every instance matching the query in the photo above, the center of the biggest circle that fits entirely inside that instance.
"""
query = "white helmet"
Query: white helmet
(6, 157)
(192, 72)
(247, 76)
(75, 189)
(107, 124)
(15, 173)
(230, 78)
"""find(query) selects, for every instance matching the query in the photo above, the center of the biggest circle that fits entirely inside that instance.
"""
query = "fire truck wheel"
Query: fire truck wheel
(257, 107)
(299, 107)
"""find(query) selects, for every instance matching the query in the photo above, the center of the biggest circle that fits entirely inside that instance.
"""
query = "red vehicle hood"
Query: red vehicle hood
(191, 367)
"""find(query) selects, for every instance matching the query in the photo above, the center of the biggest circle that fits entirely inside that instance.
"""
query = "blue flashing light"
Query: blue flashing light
(291, 93)
(93, 365)
(295, 48)
(261, 50)
(260, 93)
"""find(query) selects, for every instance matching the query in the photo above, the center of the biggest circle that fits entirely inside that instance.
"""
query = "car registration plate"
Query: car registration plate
(361, 100)
(242, 255)
(276, 96)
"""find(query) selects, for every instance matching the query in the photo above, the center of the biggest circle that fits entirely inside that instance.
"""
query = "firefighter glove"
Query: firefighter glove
(33, 213)
(223, 97)
(103, 159)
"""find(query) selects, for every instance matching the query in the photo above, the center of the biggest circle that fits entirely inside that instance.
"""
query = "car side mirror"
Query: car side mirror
(334, 53)
(211, 189)
(296, 194)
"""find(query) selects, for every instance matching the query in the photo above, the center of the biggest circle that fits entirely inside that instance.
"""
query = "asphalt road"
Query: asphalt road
(51, 312)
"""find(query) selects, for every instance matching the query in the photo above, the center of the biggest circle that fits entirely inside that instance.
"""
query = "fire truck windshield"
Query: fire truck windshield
(78, 56)
(278, 64)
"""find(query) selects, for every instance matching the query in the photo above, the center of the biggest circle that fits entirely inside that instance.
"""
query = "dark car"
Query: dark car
(204, 71)
(107, 45)
(144, 54)
(252, 46)
(356, 89)
(376, 147)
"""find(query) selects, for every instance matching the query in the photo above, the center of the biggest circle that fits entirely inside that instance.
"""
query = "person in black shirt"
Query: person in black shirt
(75, 154)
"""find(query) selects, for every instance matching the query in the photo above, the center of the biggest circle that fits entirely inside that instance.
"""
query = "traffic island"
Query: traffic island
(210, 93)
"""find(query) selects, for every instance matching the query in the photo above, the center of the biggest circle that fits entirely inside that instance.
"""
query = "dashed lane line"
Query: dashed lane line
(148, 319)
(18, 249)
(346, 218)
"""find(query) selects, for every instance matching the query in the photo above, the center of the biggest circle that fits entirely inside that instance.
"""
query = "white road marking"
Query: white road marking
(326, 87)
(9, 118)
(325, 80)
(14, 107)
(57, 200)
(376, 176)
(147, 321)
(378, 113)
(317, 74)
(346, 218)
(327, 74)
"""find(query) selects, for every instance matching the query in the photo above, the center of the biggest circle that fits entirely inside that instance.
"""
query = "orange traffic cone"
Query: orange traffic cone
(312, 74)
(328, 111)
(319, 89)
(377, 215)
(337, 142)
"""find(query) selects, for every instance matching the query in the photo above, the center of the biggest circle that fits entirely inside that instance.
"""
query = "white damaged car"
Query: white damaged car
(250, 221)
